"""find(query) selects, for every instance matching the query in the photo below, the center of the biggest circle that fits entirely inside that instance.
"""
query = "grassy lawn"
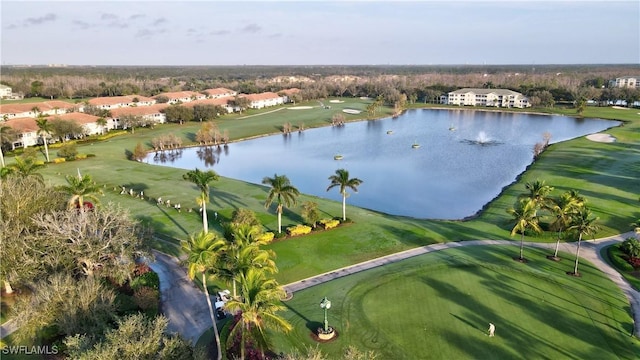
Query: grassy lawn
(605, 173)
(438, 306)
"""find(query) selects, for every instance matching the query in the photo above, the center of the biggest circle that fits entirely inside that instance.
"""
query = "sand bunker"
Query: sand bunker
(352, 111)
(300, 108)
(336, 101)
(619, 108)
(606, 138)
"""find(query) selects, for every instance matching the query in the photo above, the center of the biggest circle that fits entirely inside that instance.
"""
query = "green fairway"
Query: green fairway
(439, 305)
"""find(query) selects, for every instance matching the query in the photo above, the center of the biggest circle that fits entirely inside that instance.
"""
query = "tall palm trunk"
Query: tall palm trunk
(279, 219)
(213, 319)
(1, 156)
(46, 148)
(205, 222)
(344, 206)
(575, 269)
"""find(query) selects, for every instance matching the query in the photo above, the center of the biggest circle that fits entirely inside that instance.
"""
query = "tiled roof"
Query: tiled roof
(219, 101)
(137, 110)
(261, 96)
(180, 94)
(80, 118)
(9, 108)
(218, 91)
(115, 100)
(485, 91)
(22, 124)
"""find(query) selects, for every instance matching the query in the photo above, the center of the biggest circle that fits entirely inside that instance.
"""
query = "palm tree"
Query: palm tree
(584, 223)
(341, 179)
(257, 308)
(283, 192)
(26, 167)
(79, 188)
(564, 207)
(44, 130)
(203, 251)
(525, 216)
(202, 180)
(102, 122)
(538, 194)
(7, 136)
(242, 253)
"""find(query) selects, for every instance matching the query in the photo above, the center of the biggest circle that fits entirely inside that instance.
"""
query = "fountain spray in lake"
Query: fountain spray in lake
(482, 139)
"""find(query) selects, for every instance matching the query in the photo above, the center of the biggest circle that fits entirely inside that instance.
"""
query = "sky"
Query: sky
(319, 32)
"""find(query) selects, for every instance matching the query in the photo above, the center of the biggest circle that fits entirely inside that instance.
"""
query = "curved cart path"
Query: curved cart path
(186, 307)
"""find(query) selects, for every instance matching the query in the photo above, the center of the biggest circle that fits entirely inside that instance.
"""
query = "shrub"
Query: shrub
(329, 223)
(68, 151)
(148, 279)
(59, 160)
(244, 216)
(631, 247)
(81, 156)
(146, 298)
(126, 304)
(299, 230)
(265, 237)
(91, 155)
(617, 257)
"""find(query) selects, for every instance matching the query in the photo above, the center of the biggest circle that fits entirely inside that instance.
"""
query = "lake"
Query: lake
(461, 160)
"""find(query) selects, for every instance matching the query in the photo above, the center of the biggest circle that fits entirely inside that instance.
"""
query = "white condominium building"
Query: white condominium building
(488, 97)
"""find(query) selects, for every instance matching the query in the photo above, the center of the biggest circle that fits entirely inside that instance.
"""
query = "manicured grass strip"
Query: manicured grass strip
(438, 306)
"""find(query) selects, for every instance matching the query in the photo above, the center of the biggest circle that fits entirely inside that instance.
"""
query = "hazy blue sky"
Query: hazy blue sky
(319, 32)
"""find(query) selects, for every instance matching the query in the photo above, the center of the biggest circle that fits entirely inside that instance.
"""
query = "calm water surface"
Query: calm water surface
(464, 160)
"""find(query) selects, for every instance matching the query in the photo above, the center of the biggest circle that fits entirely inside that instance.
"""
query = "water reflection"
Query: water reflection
(452, 175)
(167, 156)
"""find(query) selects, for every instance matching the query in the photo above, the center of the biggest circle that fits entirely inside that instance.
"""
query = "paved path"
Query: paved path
(186, 307)
(184, 304)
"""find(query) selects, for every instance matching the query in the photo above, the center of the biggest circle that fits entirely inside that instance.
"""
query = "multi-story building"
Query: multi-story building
(626, 82)
(487, 97)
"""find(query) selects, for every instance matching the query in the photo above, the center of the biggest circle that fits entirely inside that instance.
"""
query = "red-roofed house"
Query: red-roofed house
(224, 102)
(114, 102)
(220, 93)
(88, 122)
(10, 111)
(27, 131)
(262, 100)
(287, 93)
(182, 96)
(151, 113)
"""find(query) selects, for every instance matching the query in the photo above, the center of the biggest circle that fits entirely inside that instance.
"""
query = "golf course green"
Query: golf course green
(439, 305)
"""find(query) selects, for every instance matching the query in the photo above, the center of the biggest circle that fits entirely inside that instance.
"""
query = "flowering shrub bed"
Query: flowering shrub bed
(329, 223)
(265, 237)
(298, 230)
(59, 160)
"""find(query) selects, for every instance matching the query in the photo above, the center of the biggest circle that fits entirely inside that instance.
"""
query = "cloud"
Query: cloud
(220, 32)
(159, 21)
(40, 20)
(251, 29)
(276, 35)
(11, 26)
(119, 25)
(147, 33)
(81, 24)
(136, 16)
(107, 16)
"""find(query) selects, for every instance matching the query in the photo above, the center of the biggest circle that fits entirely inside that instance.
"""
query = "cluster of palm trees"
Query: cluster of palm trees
(567, 213)
(240, 261)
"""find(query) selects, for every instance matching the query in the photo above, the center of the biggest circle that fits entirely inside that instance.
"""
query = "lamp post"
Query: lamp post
(326, 305)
